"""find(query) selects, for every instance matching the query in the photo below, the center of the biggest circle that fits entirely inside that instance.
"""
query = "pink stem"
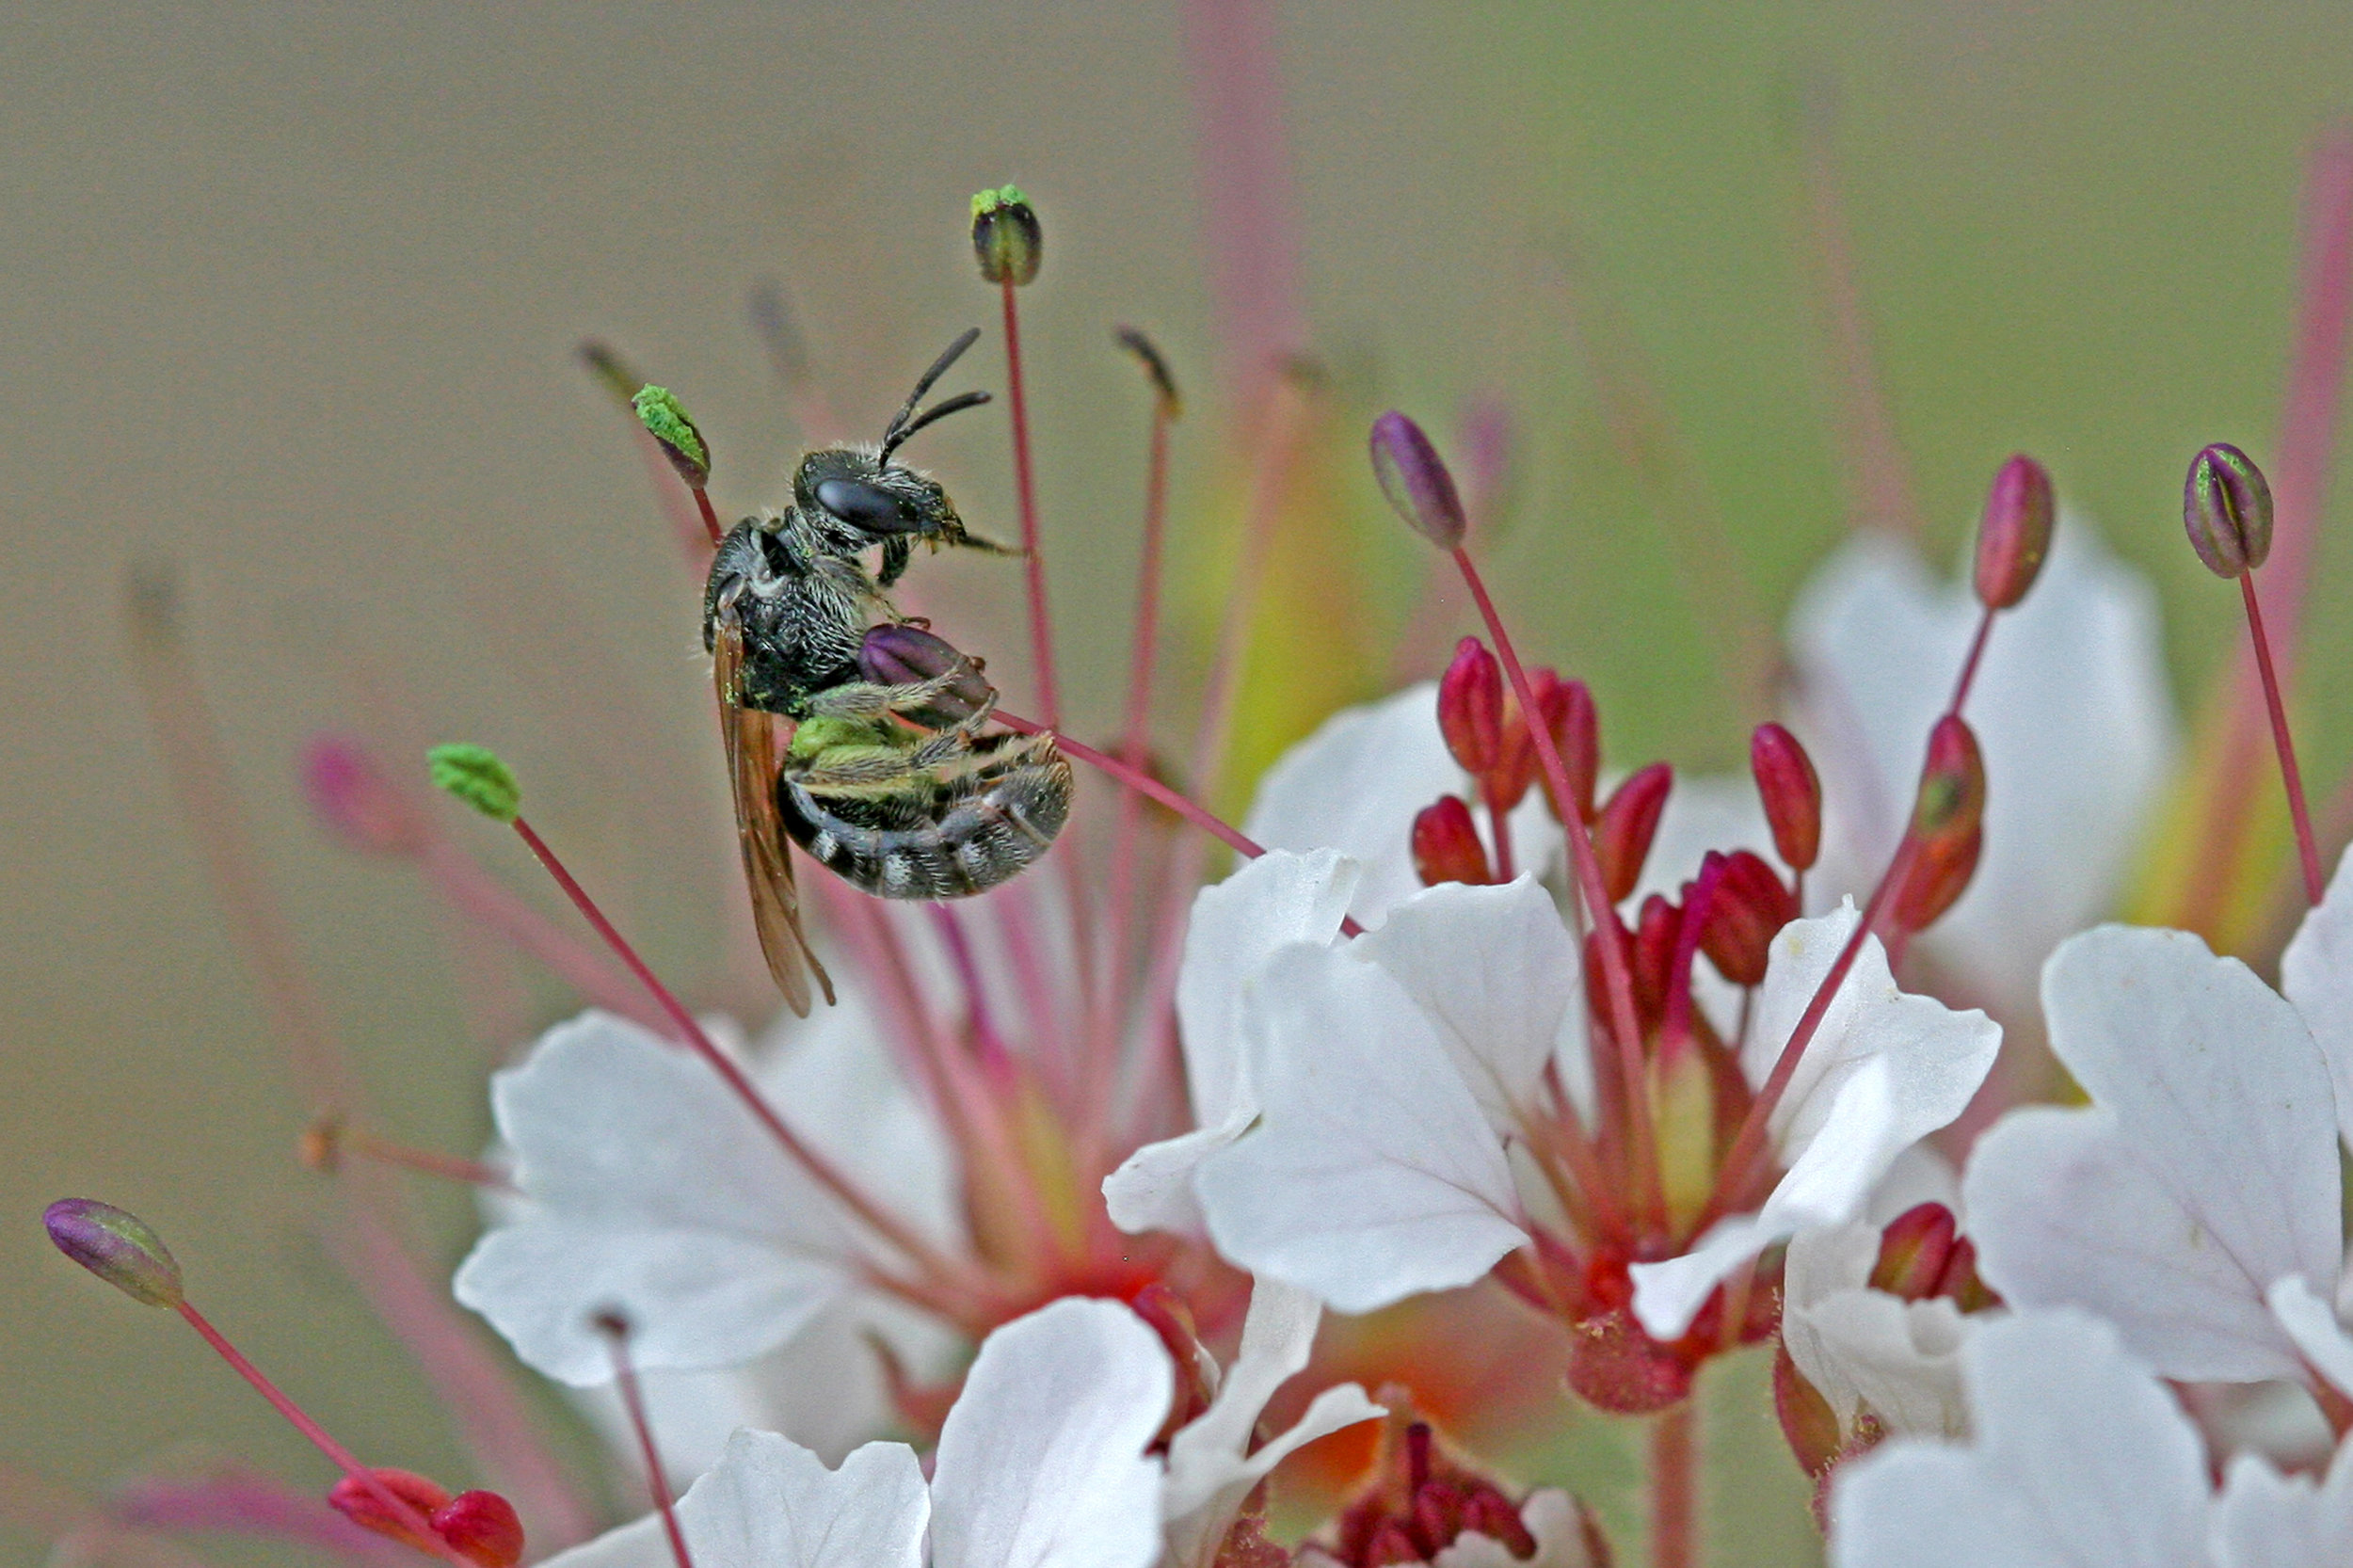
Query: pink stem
(1969, 664)
(952, 933)
(1675, 1487)
(2314, 884)
(481, 898)
(1617, 976)
(296, 1418)
(432, 1163)
(1025, 490)
(633, 1400)
(1136, 747)
(823, 1171)
(1243, 163)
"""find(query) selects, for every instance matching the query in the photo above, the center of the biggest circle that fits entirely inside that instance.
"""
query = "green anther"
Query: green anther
(666, 421)
(475, 775)
(987, 201)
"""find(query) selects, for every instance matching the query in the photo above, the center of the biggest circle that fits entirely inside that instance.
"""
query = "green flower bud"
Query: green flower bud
(475, 775)
(666, 421)
(1007, 236)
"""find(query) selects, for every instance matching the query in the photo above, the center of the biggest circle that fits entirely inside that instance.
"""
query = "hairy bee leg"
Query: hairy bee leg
(852, 769)
(867, 699)
(950, 742)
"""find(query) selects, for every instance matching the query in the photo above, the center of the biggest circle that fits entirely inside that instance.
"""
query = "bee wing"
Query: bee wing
(750, 737)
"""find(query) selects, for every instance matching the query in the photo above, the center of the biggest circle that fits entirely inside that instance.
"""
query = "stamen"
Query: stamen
(951, 934)
(616, 1329)
(2307, 850)
(326, 1141)
(1025, 495)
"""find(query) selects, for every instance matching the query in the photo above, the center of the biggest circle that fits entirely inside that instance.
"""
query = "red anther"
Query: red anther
(1806, 1418)
(1749, 907)
(1960, 1283)
(1915, 1251)
(1172, 1319)
(1390, 1546)
(1516, 765)
(359, 804)
(1952, 783)
(1490, 1513)
(483, 1526)
(1438, 1513)
(1939, 874)
(1657, 931)
(359, 1502)
(1568, 712)
(1792, 793)
(2014, 535)
(1447, 846)
(1419, 1442)
(1627, 822)
(1471, 708)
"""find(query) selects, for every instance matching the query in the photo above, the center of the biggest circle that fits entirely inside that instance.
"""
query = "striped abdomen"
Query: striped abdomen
(933, 837)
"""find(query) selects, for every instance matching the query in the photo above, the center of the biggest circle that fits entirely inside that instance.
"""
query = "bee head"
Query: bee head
(856, 501)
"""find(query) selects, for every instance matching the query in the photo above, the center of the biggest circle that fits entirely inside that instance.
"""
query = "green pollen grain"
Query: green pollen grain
(666, 422)
(475, 775)
(987, 201)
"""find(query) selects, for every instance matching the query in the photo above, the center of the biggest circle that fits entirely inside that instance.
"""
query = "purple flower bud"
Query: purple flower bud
(897, 654)
(1416, 480)
(117, 1247)
(2226, 509)
(2015, 533)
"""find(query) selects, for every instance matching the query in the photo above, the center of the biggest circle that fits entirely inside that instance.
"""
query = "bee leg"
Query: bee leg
(851, 768)
(953, 742)
(867, 699)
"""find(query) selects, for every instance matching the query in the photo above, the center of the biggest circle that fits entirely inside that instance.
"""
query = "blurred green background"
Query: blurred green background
(292, 295)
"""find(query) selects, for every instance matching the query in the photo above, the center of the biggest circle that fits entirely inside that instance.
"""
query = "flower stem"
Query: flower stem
(820, 1169)
(633, 1400)
(298, 1418)
(1142, 783)
(1618, 977)
(1025, 493)
(1675, 1487)
(2314, 884)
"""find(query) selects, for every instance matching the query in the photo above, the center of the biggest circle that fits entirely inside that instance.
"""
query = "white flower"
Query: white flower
(1356, 785)
(2204, 1173)
(2080, 1455)
(1884, 1069)
(1042, 1462)
(2070, 708)
(650, 1191)
(1864, 1349)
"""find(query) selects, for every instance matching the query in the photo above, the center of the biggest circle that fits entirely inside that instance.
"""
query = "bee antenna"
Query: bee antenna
(905, 424)
(932, 415)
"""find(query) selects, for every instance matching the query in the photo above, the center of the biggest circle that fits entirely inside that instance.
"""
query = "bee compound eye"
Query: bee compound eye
(864, 506)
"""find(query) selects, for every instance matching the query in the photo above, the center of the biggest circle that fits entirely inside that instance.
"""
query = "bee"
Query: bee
(892, 783)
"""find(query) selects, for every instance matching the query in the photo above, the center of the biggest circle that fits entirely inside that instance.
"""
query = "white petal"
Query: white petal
(1883, 1070)
(771, 1503)
(2308, 1320)
(2316, 972)
(1209, 1471)
(1152, 1189)
(2267, 1520)
(654, 1193)
(1355, 786)
(1271, 903)
(1373, 1174)
(639, 1544)
(2080, 1457)
(2074, 762)
(1865, 1349)
(2206, 1169)
(1041, 1464)
(1495, 971)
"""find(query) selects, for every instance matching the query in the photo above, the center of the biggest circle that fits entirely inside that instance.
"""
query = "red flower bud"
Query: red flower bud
(1416, 480)
(1939, 874)
(1792, 793)
(1657, 931)
(359, 1502)
(481, 1527)
(484, 1528)
(1447, 846)
(1623, 832)
(1915, 1250)
(1471, 708)
(1750, 905)
(1960, 1283)
(2226, 509)
(1568, 713)
(1951, 802)
(2015, 533)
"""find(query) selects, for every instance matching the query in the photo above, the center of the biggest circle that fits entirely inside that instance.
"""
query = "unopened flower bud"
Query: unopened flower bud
(1960, 1283)
(484, 1528)
(1471, 708)
(1915, 1250)
(897, 654)
(2226, 509)
(1748, 908)
(1447, 846)
(1938, 875)
(1627, 822)
(1658, 931)
(357, 802)
(1568, 712)
(1791, 792)
(1807, 1420)
(481, 1527)
(2015, 533)
(475, 775)
(666, 421)
(1416, 480)
(116, 1246)
(1951, 802)
(1007, 236)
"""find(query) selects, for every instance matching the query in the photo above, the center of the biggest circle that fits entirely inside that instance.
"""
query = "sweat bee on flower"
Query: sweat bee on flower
(850, 730)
